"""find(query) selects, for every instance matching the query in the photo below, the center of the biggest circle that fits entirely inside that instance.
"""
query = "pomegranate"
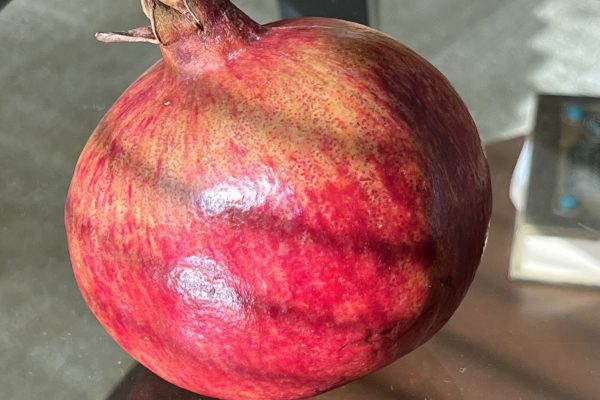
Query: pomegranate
(272, 211)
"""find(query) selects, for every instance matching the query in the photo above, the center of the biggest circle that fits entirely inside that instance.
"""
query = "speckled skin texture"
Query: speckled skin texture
(277, 223)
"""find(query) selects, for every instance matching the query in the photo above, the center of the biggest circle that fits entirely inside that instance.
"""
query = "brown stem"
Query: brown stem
(195, 36)
(137, 35)
(175, 19)
(170, 25)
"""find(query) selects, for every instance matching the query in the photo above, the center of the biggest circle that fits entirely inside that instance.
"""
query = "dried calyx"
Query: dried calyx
(172, 20)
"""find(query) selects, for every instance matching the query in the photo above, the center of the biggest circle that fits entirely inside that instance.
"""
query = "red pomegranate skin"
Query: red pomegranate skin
(284, 221)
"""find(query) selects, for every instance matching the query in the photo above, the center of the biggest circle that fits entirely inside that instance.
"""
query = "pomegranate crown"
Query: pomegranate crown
(174, 20)
(194, 35)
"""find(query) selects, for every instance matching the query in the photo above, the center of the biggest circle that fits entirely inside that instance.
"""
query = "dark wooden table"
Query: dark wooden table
(508, 341)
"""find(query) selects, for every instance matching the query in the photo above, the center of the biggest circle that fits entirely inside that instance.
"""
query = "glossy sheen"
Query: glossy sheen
(303, 214)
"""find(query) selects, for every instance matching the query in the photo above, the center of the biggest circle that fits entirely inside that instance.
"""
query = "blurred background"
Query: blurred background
(56, 83)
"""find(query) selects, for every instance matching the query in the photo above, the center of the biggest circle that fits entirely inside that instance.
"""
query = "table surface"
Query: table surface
(508, 340)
